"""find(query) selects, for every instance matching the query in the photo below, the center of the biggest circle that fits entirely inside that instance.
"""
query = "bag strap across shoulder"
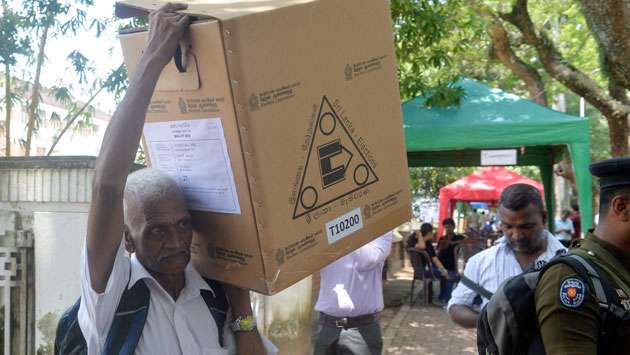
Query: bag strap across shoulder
(482, 291)
(129, 319)
(217, 304)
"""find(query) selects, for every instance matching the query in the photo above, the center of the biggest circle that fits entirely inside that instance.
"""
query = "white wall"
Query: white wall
(58, 243)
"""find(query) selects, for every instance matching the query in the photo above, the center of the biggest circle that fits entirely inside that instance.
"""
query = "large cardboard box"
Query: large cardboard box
(284, 131)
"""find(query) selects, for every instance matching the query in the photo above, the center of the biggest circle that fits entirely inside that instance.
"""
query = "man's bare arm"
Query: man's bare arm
(120, 143)
(463, 315)
(247, 343)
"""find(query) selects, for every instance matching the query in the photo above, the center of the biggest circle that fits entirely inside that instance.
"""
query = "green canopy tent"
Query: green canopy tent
(489, 120)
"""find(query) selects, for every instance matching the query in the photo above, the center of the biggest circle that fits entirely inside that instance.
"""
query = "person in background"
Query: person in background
(564, 228)
(576, 220)
(446, 254)
(422, 240)
(350, 298)
(525, 242)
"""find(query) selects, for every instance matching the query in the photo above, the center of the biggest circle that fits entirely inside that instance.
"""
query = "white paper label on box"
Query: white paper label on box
(498, 157)
(195, 154)
(344, 225)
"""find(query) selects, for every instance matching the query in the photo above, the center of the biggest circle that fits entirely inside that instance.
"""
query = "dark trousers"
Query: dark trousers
(446, 285)
(331, 340)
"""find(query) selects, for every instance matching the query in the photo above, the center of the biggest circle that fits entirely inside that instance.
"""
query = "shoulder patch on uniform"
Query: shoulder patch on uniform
(572, 292)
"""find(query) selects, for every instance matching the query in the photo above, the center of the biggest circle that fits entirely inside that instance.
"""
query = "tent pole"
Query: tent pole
(581, 159)
(546, 174)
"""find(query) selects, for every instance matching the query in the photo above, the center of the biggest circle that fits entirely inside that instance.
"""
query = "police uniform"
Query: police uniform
(568, 312)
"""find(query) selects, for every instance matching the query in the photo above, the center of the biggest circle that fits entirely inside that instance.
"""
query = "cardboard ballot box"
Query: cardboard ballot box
(284, 131)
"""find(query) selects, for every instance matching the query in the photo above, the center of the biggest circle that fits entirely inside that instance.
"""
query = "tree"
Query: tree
(609, 21)
(429, 37)
(44, 18)
(426, 181)
(12, 44)
(115, 83)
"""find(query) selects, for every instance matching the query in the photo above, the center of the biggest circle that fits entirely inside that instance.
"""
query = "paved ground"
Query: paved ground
(419, 329)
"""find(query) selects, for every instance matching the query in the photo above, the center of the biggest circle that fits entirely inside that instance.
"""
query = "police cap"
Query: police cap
(612, 172)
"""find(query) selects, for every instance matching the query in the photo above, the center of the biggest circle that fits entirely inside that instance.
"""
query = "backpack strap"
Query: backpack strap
(128, 322)
(133, 308)
(69, 338)
(482, 291)
(218, 305)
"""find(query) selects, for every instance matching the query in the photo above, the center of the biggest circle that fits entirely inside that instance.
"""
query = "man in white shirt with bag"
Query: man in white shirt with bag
(525, 242)
(146, 214)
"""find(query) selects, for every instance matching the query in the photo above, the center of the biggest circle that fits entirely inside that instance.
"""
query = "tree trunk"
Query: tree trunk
(32, 110)
(502, 50)
(559, 68)
(618, 123)
(72, 119)
(8, 105)
(618, 132)
(609, 22)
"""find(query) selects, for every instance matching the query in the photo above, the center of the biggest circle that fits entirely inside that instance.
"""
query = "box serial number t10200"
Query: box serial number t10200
(344, 225)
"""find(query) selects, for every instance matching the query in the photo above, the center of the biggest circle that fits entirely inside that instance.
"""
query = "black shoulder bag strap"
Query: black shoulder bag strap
(476, 287)
(128, 323)
(217, 304)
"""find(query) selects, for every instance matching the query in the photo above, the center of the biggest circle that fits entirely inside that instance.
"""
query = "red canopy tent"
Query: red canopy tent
(484, 185)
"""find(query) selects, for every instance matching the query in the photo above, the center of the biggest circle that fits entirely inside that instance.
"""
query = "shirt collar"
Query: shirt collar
(552, 245)
(193, 285)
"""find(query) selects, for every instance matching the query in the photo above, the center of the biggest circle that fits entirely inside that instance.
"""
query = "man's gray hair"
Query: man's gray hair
(148, 183)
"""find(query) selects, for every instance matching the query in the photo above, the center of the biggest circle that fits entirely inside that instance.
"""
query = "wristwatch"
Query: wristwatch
(246, 323)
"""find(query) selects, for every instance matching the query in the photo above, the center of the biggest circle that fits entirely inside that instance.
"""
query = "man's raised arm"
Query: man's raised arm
(120, 143)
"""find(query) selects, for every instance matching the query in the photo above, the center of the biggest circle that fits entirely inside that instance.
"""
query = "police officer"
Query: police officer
(568, 312)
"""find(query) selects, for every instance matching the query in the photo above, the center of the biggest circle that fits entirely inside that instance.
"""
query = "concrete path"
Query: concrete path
(419, 329)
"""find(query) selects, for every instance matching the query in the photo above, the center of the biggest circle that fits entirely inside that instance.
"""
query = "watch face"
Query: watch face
(247, 323)
(244, 323)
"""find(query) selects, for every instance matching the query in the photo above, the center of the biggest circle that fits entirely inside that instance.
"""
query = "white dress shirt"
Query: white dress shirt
(353, 285)
(490, 267)
(184, 326)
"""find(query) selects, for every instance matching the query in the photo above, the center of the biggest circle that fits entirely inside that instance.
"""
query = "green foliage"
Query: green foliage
(47, 325)
(13, 42)
(426, 181)
(116, 82)
(140, 156)
(429, 35)
(445, 95)
(64, 18)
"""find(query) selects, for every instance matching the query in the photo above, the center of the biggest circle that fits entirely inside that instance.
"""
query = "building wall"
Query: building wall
(58, 245)
(50, 199)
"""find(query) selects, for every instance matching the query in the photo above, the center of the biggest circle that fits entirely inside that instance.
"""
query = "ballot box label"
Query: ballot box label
(195, 154)
(344, 225)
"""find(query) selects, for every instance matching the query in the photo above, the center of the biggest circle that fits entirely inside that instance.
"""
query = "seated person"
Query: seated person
(424, 242)
(446, 254)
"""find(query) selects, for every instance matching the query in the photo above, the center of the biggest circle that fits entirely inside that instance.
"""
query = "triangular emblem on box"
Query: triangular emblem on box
(335, 166)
